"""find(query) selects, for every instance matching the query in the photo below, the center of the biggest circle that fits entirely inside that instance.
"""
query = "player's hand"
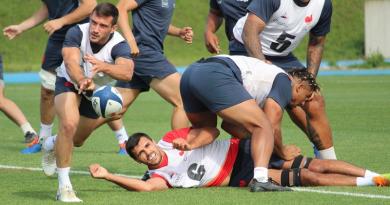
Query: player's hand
(181, 144)
(212, 42)
(290, 152)
(12, 31)
(186, 34)
(98, 171)
(86, 84)
(53, 25)
(97, 65)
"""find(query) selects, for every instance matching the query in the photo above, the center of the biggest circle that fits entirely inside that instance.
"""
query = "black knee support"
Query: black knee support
(298, 161)
(291, 177)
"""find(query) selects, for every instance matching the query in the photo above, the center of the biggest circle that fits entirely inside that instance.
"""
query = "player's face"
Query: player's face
(301, 94)
(100, 28)
(147, 152)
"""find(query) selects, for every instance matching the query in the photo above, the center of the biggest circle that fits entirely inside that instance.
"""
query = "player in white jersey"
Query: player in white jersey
(94, 53)
(225, 163)
(271, 31)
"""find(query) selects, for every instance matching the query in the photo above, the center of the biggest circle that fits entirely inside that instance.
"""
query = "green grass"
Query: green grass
(346, 40)
(359, 112)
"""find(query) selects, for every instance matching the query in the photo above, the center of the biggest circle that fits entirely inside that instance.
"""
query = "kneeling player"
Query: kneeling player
(226, 163)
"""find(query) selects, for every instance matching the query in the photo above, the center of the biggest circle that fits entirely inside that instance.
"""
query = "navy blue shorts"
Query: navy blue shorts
(211, 86)
(237, 48)
(243, 167)
(85, 107)
(1, 68)
(53, 56)
(148, 65)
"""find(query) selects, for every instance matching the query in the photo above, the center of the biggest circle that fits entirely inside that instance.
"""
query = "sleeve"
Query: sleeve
(174, 134)
(264, 8)
(323, 25)
(73, 37)
(281, 90)
(121, 49)
(214, 5)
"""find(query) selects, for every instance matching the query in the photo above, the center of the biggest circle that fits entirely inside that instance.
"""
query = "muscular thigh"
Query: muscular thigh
(168, 88)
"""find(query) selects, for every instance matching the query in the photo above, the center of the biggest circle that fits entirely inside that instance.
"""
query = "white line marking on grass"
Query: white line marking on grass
(363, 195)
(35, 169)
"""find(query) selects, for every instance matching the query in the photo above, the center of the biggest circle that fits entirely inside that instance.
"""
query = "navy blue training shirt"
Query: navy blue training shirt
(231, 10)
(151, 20)
(58, 9)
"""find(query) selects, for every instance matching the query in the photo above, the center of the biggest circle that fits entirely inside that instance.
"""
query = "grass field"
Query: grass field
(358, 108)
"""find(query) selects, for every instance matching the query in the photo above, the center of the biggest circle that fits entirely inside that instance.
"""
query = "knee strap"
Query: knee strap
(297, 162)
(291, 177)
(308, 160)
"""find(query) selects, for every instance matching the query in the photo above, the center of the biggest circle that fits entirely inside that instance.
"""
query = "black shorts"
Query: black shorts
(242, 172)
(85, 107)
(211, 86)
(147, 66)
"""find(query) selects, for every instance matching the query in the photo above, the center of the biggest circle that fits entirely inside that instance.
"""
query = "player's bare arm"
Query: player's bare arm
(196, 138)
(125, 6)
(121, 70)
(275, 115)
(214, 21)
(85, 8)
(38, 17)
(152, 184)
(314, 53)
(250, 36)
(184, 33)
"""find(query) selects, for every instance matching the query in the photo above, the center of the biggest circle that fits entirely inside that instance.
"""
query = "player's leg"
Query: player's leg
(13, 112)
(168, 88)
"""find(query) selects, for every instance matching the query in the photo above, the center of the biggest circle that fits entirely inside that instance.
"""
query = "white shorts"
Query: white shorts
(48, 79)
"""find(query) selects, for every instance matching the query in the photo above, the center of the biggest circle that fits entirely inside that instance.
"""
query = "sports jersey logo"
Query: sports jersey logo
(308, 19)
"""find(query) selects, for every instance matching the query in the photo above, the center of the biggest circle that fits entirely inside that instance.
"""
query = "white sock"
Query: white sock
(121, 135)
(260, 174)
(26, 127)
(49, 143)
(327, 153)
(364, 181)
(369, 173)
(63, 177)
(45, 131)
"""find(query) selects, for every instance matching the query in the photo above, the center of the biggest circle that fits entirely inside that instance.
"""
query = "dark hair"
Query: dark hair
(133, 141)
(303, 75)
(107, 9)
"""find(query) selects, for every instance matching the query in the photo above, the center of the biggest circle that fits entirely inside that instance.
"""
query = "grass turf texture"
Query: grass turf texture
(358, 108)
(345, 41)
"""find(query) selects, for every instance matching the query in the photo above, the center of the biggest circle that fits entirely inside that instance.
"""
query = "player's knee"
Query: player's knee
(301, 162)
(291, 177)
(309, 178)
(317, 165)
(69, 128)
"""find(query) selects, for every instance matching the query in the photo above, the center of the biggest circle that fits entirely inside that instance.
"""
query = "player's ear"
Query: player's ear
(114, 28)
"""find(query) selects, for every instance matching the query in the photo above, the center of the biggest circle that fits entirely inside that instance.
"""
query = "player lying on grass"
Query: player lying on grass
(176, 161)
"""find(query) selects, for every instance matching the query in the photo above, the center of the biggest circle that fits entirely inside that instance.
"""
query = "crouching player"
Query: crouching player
(225, 163)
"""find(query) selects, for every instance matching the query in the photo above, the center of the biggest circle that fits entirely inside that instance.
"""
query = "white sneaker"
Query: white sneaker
(66, 194)
(48, 162)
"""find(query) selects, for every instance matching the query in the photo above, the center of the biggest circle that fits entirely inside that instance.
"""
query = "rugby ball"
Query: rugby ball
(106, 101)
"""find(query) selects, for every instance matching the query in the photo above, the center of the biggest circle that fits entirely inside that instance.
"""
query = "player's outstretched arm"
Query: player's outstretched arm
(184, 33)
(274, 114)
(85, 9)
(214, 21)
(314, 53)
(38, 17)
(153, 184)
(250, 36)
(124, 6)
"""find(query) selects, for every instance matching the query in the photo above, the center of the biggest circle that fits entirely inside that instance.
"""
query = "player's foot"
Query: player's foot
(48, 162)
(67, 194)
(29, 137)
(270, 185)
(34, 146)
(382, 180)
(122, 149)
